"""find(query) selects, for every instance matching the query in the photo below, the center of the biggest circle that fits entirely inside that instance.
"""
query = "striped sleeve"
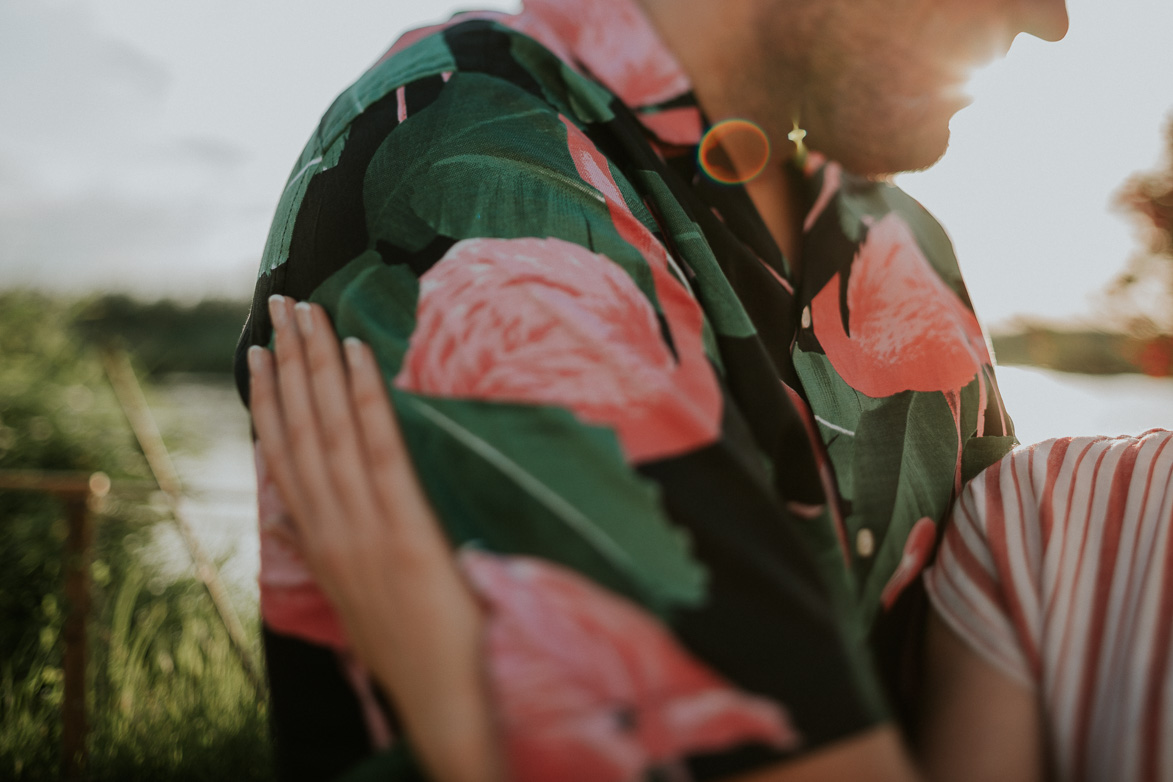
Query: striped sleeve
(972, 584)
(1057, 568)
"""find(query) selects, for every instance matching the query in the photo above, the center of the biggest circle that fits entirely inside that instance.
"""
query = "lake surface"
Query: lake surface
(1046, 404)
(208, 434)
(213, 451)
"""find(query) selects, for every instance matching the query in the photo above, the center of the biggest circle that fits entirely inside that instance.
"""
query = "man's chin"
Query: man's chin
(907, 152)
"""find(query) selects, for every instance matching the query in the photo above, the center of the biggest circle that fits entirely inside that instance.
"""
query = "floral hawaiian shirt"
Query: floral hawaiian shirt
(693, 491)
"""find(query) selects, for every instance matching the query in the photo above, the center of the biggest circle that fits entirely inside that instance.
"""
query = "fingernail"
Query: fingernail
(353, 350)
(277, 310)
(254, 358)
(305, 318)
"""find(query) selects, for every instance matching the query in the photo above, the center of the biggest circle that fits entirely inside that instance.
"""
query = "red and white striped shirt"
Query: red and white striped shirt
(1058, 569)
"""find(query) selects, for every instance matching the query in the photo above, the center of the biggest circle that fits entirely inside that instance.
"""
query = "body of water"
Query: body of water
(211, 447)
(1045, 403)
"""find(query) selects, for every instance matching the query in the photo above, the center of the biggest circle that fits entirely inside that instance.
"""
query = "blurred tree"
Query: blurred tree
(56, 413)
(165, 336)
(1143, 293)
(1142, 296)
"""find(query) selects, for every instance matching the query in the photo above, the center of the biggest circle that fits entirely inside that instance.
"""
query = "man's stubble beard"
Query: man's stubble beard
(851, 113)
(879, 140)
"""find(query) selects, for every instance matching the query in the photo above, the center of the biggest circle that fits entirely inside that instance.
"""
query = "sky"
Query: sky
(143, 145)
(1026, 187)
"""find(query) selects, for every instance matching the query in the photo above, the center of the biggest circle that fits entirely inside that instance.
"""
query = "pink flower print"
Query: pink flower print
(680, 127)
(814, 161)
(698, 419)
(589, 687)
(909, 330)
(545, 321)
(616, 43)
(917, 549)
(832, 179)
(291, 602)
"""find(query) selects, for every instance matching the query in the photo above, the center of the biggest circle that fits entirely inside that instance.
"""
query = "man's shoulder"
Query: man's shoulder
(466, 103)
(485, 60)
(860, 203)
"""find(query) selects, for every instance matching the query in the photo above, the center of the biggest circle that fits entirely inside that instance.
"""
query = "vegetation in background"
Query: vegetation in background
(1137, 311)
(168, 699)
(1087, 352)
(165, 336)
(207, 332)
(1143, 293)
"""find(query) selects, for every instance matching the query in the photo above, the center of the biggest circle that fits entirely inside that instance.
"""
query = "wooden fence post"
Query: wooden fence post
(79, 492)
(142, 423)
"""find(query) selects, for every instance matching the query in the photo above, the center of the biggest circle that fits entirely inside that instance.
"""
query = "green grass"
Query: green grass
(167, 698)
(172, 701)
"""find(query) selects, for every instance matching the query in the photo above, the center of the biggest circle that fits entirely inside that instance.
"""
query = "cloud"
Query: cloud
(61, 80)
(96, 191)
(131, 73)
(211, 152)
(96, 240)
(144, 144)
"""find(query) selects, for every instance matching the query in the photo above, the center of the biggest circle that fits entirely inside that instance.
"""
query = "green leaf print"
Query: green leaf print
(904, 465)
(519, 479)
(862, 202)
(837, 408)
(504, 171)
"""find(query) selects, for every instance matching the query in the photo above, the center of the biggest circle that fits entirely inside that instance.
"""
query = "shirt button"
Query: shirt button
(865, 543)
(806, 317)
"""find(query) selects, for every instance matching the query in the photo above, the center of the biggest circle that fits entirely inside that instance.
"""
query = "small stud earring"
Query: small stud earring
(797, 136)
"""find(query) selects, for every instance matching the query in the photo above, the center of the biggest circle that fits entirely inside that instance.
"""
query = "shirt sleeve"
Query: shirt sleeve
(651, 604)
(1056, 569)
(1040, 541)
(985, 597)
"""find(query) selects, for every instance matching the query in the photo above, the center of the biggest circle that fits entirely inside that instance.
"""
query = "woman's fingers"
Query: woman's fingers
(338, 432)
(312, 437)
(269, 423)
(335, 450)
(331, 439)
(397, 490)
(303, 437)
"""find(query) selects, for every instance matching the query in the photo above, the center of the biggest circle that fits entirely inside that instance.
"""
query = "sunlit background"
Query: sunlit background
(1027, 192)
(143, 145)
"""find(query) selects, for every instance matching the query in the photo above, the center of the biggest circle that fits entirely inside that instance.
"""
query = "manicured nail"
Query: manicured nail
(354, 355)
(305, 317)
(255, 356)
(277, 310)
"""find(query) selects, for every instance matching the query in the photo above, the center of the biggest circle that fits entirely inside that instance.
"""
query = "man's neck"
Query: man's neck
(777, 195)
(697, 32)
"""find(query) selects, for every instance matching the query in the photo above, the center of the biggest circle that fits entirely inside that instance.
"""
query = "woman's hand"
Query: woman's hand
(330, 438)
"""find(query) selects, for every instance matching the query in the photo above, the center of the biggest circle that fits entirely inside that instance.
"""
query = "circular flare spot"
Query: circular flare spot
(734, 151)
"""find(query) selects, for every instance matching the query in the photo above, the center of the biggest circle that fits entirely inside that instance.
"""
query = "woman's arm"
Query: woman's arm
(336, 454)
(979, 724)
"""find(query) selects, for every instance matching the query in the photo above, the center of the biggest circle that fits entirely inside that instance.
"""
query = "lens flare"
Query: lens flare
(734, 151)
